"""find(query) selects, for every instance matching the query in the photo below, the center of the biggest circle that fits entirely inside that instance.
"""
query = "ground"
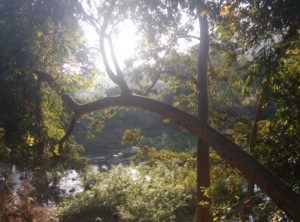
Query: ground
(42, 214)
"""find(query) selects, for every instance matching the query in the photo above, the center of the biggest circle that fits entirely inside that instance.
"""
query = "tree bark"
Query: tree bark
(203, 168)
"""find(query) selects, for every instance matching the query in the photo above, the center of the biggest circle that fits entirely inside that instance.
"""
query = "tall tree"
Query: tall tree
(203, 172)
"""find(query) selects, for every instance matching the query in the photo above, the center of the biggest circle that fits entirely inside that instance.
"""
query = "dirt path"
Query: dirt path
(42, 214)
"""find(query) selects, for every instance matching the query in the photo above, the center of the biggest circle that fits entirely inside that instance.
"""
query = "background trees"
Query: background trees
(35, 35)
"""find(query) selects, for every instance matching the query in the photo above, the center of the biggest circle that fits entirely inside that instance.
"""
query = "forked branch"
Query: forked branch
(117, 78)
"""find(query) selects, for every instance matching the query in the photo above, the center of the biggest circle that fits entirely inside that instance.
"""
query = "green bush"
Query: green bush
(135, 193)
(161, 187)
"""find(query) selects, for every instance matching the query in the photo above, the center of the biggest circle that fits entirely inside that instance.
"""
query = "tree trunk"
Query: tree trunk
(203, 171)
(42, 134)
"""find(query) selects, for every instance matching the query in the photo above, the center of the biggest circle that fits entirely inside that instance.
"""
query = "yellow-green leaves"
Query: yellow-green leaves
(251, 10)
(30, 140)
(132, 136)
(225, 11)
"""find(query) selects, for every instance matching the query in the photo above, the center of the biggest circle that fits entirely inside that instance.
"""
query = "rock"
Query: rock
(72, 190)
(103, 168)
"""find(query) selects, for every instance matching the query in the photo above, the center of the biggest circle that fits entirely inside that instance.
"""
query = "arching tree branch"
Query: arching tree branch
(233, 154)
(281, 194)
(285, 198)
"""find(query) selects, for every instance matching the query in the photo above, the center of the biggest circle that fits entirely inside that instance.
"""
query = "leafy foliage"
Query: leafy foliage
(35, 35)
(150, 191)
(161, 188)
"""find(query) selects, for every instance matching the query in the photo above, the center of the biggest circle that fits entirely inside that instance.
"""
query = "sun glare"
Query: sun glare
(125, 41)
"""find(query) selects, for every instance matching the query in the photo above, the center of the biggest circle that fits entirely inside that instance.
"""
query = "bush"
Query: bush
(162, 188)
(143, 192)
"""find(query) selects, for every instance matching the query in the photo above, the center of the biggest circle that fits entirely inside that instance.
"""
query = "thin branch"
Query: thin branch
(156, 78)
(113, 56)
(69, 131)
(102, 35)
(253, 138)
(90, 18)
(45, 77)
(118, 78)
(212, 70)
(189, 36)
(192, 79)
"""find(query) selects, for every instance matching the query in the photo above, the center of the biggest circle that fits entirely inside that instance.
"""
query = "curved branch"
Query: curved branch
(281, 194)
(117, 79)
(110, 73)
(46, 77)
(114, 58)
(68, 133)
(154, 81)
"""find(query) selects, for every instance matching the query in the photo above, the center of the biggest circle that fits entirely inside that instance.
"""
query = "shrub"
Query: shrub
(160, 192)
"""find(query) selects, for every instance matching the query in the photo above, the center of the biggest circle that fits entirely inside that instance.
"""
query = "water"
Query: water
(70, 184)
(14, 178)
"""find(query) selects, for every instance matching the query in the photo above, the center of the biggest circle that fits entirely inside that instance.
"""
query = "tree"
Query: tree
(262, 34)
(233, 154)
(34, 35)
(203, 172)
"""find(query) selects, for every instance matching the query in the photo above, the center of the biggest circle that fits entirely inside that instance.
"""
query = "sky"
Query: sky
(125, 42)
